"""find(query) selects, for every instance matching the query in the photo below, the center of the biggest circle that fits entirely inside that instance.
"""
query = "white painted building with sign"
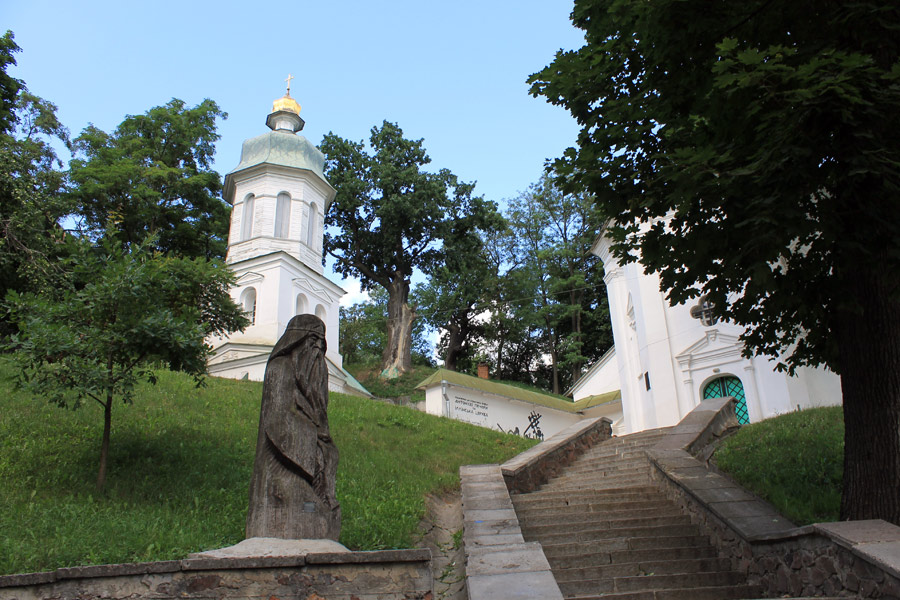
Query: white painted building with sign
(507, 408)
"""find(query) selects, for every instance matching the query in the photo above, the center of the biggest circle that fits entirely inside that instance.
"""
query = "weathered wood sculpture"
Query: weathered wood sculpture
(292, 490)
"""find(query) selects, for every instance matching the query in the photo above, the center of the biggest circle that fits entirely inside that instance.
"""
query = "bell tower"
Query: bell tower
(279, 196)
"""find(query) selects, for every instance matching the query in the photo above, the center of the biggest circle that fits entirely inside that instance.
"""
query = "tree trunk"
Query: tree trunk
(397, 356)
(869, 346)
(455, 339)
(104, 446)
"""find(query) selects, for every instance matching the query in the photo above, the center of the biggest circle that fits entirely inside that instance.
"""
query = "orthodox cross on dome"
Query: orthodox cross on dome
(289, 77)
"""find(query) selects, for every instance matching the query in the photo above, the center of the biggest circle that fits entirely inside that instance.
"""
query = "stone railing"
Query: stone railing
(536, 466)
(853, 558)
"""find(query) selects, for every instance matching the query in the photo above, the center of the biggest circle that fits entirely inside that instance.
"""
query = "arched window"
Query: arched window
(302, 305)
(311, 224)
(247, 217)
(283, 215)
(729, 386)
(248, 302)
(321, 313)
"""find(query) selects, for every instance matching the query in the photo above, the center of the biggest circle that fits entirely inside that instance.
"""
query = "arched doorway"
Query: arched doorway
(729, 386)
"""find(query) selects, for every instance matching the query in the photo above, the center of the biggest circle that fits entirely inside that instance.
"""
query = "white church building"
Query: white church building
(667, 359)
(279, 196)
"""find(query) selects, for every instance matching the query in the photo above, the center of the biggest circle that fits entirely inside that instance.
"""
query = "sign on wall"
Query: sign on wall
(470, 411)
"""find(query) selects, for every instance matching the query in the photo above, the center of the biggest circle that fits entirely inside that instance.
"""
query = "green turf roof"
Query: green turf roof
(517, 393)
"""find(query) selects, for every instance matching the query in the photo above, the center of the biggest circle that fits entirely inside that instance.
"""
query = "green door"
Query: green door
(729, 386)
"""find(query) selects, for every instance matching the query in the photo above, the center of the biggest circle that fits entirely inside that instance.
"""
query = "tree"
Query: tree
(122, 314)
(747, 151)
(9, 85)
(31, 186)
(456, 291)
(152, 176)
(364, 332)
(390, 218)
(554, 232)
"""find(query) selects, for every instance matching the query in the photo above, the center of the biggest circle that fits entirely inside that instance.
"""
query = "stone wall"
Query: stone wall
(537, 465)
(853, 559)
(382, 575)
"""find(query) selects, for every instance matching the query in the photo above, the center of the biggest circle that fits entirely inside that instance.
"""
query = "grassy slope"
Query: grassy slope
(180, 464)
(795, 461)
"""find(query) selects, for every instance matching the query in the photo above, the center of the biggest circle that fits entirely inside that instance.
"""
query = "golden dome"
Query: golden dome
(286, 103)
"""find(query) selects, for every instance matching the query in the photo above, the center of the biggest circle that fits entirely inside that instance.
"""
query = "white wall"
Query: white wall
(682, 355)
(492, 411)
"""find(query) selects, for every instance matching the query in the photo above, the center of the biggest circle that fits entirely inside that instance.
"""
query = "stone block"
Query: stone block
(499, 539)
(851, 533)
(476, 516)
(514, 586)
(492, 501)
(509, 558)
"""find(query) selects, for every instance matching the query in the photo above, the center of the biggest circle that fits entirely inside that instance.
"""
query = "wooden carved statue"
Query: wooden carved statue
(292, 490)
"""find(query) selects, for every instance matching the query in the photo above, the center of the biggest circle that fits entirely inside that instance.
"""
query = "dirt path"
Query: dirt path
(441, 531)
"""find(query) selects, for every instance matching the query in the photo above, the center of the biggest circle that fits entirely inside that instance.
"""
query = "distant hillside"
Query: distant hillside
(180, 464)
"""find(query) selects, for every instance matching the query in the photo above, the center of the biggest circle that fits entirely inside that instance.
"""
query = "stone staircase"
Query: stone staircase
(609, 532)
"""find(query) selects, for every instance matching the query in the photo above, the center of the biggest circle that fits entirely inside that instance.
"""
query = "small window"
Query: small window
(704, 311)
(248, 303)
(283, 216)
(647, 380)
(247, 217)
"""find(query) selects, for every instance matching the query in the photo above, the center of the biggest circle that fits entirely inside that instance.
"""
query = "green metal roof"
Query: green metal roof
(281, 148)
(516, 393)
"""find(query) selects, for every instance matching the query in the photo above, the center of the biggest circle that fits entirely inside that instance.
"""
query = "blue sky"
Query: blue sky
(452, 73)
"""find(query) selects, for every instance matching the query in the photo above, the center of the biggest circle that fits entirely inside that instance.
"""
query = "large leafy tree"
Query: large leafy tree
(456, 293)
(389, 218)
(748, 151)
(31, 185)
(554, 232)
(364, 332)
(153, 176)
(120, 314)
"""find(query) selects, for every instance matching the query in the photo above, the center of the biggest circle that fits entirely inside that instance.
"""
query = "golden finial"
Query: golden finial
(286, 102)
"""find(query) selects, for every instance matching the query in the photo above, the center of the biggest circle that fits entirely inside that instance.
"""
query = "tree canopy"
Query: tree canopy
(747, 151)
(153, 176)
(389, 218)
(89, 311)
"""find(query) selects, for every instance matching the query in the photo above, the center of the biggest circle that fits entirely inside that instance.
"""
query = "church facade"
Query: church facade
(279, 196)
(667, 359)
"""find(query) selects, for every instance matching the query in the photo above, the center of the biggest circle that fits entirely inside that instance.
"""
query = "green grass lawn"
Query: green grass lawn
(795, 461)
(180, 464)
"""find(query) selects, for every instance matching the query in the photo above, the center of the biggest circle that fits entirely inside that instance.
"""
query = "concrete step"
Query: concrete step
(631, 454)
(653, 582)
(601, 467)
(585, 519)
(582, 560)
(620, 544)
(636, 569)
(563, 495)
(595, 535)
(731, 592)
(539, 528)
(597, 484)
(600, 505)
(599, 480)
